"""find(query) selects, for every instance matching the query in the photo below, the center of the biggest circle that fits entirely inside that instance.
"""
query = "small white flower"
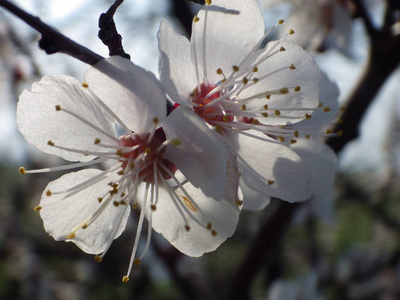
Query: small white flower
(90, 207)
(252, 93)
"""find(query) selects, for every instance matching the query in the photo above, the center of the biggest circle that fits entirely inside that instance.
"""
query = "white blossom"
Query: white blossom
(252, 92)
(173, 168)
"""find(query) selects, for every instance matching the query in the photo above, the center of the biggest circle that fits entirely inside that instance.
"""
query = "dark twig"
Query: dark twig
(264, 244)
(108, 33)
(202, 2)
(383, 59)
(53, 41)
(181, 11)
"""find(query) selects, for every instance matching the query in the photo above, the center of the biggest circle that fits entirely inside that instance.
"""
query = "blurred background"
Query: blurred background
(346, 249)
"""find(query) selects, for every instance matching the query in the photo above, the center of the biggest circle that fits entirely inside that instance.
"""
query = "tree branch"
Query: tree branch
(53, 41)
(383, 59)
(108, 33)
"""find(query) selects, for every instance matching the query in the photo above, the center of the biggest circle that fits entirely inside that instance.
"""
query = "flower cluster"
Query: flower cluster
(246, 126)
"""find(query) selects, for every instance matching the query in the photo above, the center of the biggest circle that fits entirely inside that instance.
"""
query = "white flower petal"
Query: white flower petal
(225, 35)
(329, 106)
(322, 163)
(60, 215)
(292, 105)
(176, 69)
(198, 240)
(288, 175)
(39, 121)
(132, 93)
(253, 200)
(201, 155)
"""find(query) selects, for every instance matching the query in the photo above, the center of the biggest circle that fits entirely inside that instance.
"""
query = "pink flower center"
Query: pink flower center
(212, 114)
(147, 153)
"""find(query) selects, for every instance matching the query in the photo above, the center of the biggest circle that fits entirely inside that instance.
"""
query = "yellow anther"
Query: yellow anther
(120, 173)
(255, 69)
(265, 114)
(292, 67)
(58, 107)
(213, 233)
(119, 152)
(218, 128)
(131, 165)
(196, 19)
(245, 80)
(340, 133)
(265, 106)
(135, 205)
(176, 142)
(155, 120)
(37, 208)
(281, 21)
(296, 133)
(191, 95)
(147, 151)
(291, 31)
(255, 122)
(293, 141)
(270, 182)
(97, 141)
(255, 79)
(98, 258)
(219, 71)
(125, 279)
(239, 202)
(235, 68)
(71, 235)
(123, 195)
(48, 193)
(50, 143)
(308, 116)
(122, 202)
(268, 97)
(327, 108)
(243, 107)
(84, 226)
(328, 131)
(281, 138)
(225, 118)
(284, 91)
(297, 88)
(187, 227)
(320, 104)
(277, 112)
(282, 49)
(21, 170)
(307, 136)
(153, 207)
(209, 226)
(85, 85)
(136, 262)
(99, 199)
(116, 203)
(208, 2)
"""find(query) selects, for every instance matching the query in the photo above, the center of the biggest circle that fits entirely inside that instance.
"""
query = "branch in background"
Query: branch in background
(383, 59)
(265, 243)
(53, 41)
(108, 33)
(202, 2)
(181, 10)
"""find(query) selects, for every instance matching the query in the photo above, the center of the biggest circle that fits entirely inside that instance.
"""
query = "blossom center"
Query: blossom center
(145, 157)
(214, 113)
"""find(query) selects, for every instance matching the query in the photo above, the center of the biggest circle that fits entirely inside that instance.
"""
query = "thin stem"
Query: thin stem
(53, 41)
